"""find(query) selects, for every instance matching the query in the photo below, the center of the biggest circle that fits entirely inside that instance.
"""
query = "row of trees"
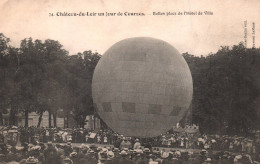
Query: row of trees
(40, 76)
(226, 95)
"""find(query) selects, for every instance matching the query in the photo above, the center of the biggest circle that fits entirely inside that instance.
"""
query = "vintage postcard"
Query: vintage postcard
(138, 81)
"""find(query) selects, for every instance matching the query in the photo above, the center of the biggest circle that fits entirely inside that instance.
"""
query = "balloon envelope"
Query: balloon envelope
(142, 87)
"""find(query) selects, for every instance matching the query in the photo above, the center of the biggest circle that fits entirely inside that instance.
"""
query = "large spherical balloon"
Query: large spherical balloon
(142, 87)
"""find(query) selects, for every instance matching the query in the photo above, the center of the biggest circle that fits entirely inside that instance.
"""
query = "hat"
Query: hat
(99, 148)
(190, 152)
(31, 160)
(30, 145)
(104, 150)
(115, 149)
(165, 155)
(73, 154)
(110, 154)
(178, 153)
(36, 148)
(136, 140)
(14, 127)
(146, 150)
(208, 160)
(91, 151)
(238, 157)
(67, 159)
(123, 152)
(84, 146)
(139, 151)
(19, 148)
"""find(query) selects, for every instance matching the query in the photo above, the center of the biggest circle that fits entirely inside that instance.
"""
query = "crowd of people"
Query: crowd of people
(56, 145)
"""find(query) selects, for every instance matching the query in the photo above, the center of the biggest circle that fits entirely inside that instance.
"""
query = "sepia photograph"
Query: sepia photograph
(129, 82)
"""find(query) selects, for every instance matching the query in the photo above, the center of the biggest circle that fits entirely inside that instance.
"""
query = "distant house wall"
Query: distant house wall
(90, 122)
(34, 117)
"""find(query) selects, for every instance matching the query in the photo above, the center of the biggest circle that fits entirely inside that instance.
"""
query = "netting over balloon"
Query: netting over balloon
(142, 87)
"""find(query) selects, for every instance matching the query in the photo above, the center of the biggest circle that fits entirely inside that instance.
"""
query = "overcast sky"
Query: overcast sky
(198, 35)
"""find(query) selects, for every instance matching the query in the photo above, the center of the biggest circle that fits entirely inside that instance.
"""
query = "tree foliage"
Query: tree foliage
(43, 77)
(226, 90)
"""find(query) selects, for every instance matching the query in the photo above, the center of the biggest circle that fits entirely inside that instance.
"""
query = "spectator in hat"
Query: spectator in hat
(102, 154)
(117, 143)
(60, 150)
(125, 144)
(124, 158)
(67, 160)
(110, 158)
(74, 157)
(91, 157)
(164, 154)
(51, 155)
(137, 144)
(68, 149)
